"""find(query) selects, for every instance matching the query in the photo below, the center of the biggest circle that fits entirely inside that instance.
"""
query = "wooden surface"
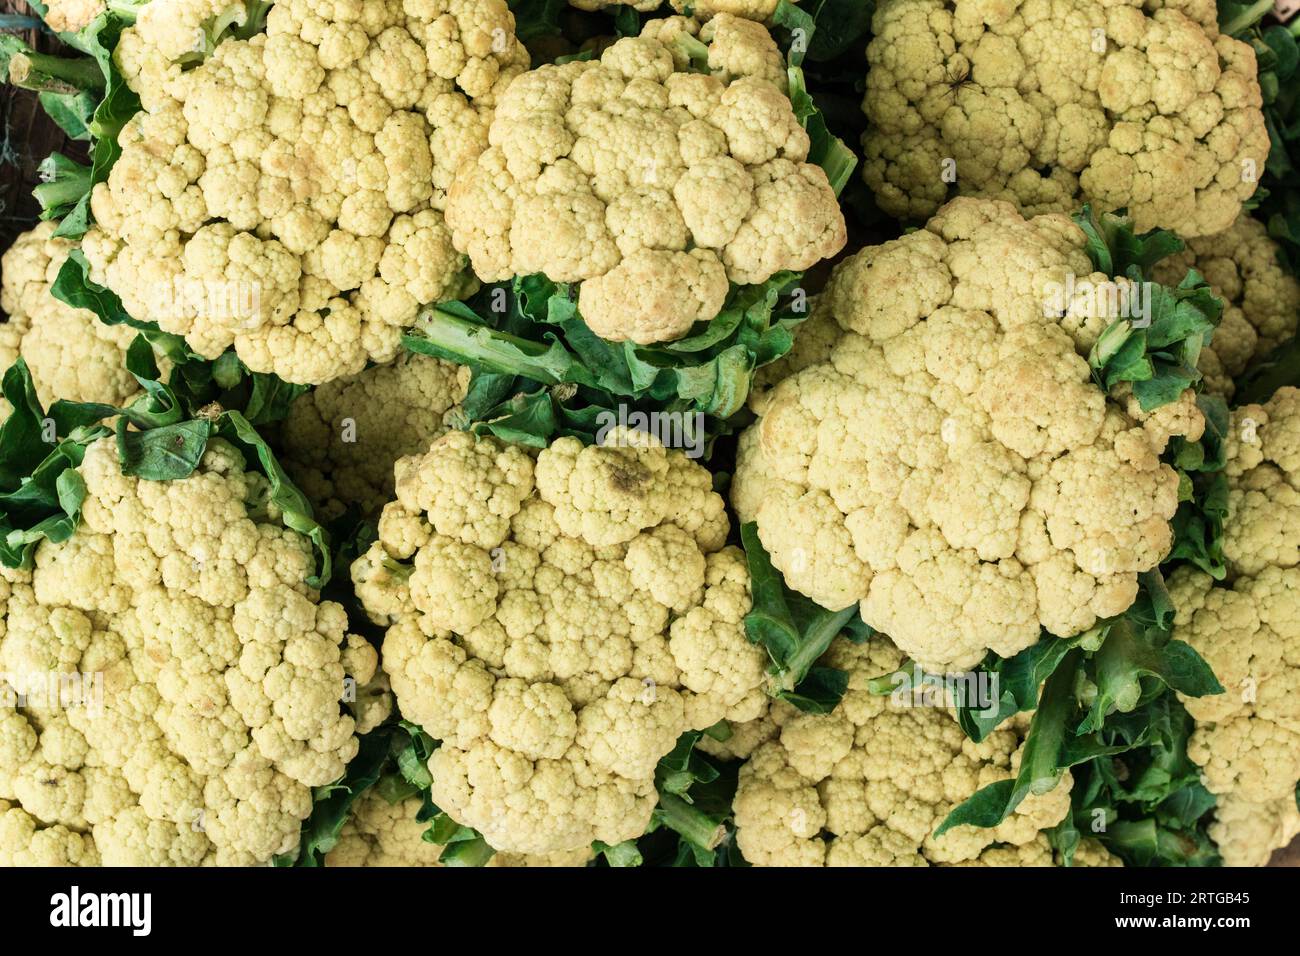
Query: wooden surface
(29, 136)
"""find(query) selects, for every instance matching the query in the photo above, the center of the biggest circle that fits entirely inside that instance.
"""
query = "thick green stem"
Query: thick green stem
(44, 73)
(439, 333)
(64, 182)
(695, 50)
(689, 821)
(1247, 18)
(818, 640)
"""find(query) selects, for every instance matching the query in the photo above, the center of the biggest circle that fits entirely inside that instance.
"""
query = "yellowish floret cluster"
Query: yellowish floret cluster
(557, 623)
(653, 183)
(172, 691)
(1127, 104)
(951, 465)
(285, 195)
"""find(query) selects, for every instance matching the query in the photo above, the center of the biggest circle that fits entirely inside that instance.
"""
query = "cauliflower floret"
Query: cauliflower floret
(1247, 833)
(342, 439)
(1093, 853)
(25, 842)
(1053, 103)
(283, 196)
(654, 296)
(561, 625)
(1261, 298)
(869, 783)
(653, 186)
(71, 354)
(1262, 526)
(178, 688)
(69, 16)
(951, 466)
(1037, 852)
(380, 833)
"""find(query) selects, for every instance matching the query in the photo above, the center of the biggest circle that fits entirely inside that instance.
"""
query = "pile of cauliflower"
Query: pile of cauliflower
(559, 612)
(172, 690)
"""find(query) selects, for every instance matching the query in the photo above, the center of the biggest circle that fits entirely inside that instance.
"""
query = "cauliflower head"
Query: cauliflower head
(171, 688)
(653, 184)
(341, 439)
(71, 354)
(1262, 299)
(1247, 740)
(952, 466)
(1053, 103)
(285, 195)
(558, 623)
(869, 783)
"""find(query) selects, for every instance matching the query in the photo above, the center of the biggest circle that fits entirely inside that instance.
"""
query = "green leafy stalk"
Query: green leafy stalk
(1041, 760)
(692, 824)
(63, 184)
(89, 99)
(805, 28)
(160, 436)
(38, 501)
(1147, 803)
(695, 797)
(448, 333)
(1098, 692)
(1236, 17)
(522, 336)
(620, 855)
(796, 632)
(1157, 355)
(1203, 505)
